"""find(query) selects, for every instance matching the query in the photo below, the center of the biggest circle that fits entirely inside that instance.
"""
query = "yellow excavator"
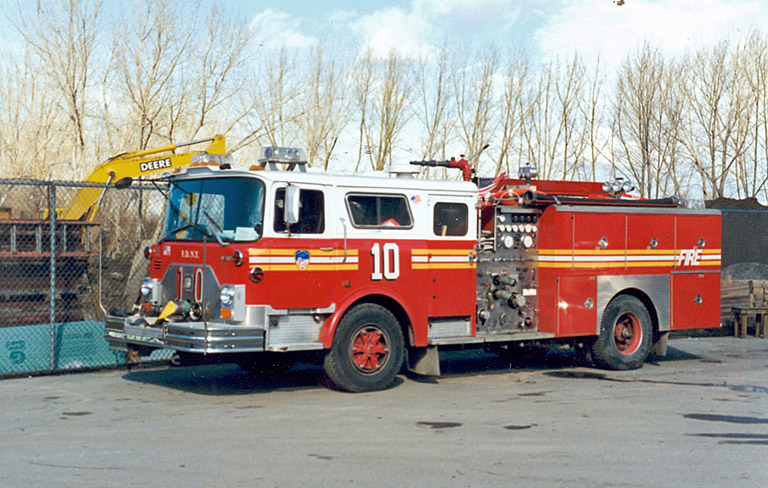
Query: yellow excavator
(24, 243)
(86, 202)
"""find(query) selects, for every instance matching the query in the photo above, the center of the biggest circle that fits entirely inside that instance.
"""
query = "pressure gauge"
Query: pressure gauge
(509, 242)
(528, 227)
(527, 241)
(534, 229)
(509, 228)
(514, 227)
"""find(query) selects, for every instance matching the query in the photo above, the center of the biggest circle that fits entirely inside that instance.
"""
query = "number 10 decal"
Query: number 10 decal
(391, 261)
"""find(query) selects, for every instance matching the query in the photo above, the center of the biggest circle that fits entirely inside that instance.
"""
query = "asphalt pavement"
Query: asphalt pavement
(698, 417)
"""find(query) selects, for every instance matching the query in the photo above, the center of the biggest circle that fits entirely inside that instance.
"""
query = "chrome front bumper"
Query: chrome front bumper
(199, 337)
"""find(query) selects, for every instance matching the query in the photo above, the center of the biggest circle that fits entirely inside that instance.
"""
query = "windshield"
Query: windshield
(229, 209)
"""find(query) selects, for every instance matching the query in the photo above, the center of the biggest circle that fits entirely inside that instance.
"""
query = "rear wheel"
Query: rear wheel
(367, 350)
(625, 334)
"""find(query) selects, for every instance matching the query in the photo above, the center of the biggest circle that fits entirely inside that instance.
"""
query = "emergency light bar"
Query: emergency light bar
(223, 161)
(271, 156)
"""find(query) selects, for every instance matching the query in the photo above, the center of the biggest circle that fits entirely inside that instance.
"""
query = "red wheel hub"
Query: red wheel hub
(627, 334)
(370, 349)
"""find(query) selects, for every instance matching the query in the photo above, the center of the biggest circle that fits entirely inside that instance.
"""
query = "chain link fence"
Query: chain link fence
(69, 252)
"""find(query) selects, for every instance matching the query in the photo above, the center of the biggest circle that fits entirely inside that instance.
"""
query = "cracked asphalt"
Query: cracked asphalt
(698, 417)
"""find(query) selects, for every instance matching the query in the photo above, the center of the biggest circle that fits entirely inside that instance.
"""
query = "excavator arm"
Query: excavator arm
(84, 205)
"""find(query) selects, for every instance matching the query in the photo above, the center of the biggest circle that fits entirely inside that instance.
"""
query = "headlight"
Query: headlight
(227, 296)
(146, 288)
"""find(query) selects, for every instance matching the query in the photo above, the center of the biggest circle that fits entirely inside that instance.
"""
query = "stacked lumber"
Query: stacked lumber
(741, 293)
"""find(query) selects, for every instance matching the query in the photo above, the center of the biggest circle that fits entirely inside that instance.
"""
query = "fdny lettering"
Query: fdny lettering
(185, 253)
(689, 257)
(154, 165)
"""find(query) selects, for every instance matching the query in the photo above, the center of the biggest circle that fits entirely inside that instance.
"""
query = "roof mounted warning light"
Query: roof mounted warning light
(271, 156)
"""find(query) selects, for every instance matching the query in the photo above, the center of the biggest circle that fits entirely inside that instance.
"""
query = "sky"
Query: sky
(544, 29)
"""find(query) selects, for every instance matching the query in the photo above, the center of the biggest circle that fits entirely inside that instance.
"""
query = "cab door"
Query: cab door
(448, 259)
(304, 256)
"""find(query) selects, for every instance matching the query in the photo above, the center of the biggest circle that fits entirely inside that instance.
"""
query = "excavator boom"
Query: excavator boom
(84, 205)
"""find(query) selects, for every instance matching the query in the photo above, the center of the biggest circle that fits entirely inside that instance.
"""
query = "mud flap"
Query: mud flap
(424, 361)
(659, 347)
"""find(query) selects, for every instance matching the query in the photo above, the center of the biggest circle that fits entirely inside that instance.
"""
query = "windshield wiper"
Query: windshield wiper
(219, 234)
(197, 227)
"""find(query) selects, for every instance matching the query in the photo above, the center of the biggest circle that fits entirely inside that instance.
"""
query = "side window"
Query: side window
(450, 219)
(379, 211)
(311, 212)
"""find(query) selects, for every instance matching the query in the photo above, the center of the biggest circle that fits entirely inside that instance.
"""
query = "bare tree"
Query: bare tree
(326, 105)
(591, 108)
(30, 139)
(513, 111)
(716, 134)
(274, 101)
(646, 121)
(63, 35)
(218, 57)
(435, 102)
(553, 128)
(475, 102)
(148, 58)
(389, 108)
(751, 171)
(363, 82)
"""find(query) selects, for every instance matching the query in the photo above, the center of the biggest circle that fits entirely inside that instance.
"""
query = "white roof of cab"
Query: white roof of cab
(369, 181)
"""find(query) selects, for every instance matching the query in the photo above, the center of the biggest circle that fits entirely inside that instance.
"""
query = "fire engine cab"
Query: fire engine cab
(262, 266)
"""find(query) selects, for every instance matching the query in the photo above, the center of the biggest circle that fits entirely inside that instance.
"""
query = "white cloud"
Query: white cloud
(461, 17)
(275, 30)
(422, 26)
(393, 29)
(593, 27)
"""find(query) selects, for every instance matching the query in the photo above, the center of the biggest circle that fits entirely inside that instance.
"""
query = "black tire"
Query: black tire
(625, 334)
(367, 350)
(264, 363)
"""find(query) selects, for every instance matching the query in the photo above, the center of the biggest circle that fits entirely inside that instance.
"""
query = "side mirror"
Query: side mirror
(123, 183)
(291, 208)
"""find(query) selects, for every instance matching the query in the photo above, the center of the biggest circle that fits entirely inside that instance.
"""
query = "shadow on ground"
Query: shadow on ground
(229, 379)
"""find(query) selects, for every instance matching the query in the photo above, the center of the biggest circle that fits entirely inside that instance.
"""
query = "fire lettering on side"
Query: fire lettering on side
(689, 257)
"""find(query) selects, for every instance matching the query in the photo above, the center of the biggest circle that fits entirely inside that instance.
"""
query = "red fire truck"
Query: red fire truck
(265, 265)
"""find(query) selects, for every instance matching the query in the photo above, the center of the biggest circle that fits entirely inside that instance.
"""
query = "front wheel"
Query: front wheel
(367, 350)
(625, 334)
